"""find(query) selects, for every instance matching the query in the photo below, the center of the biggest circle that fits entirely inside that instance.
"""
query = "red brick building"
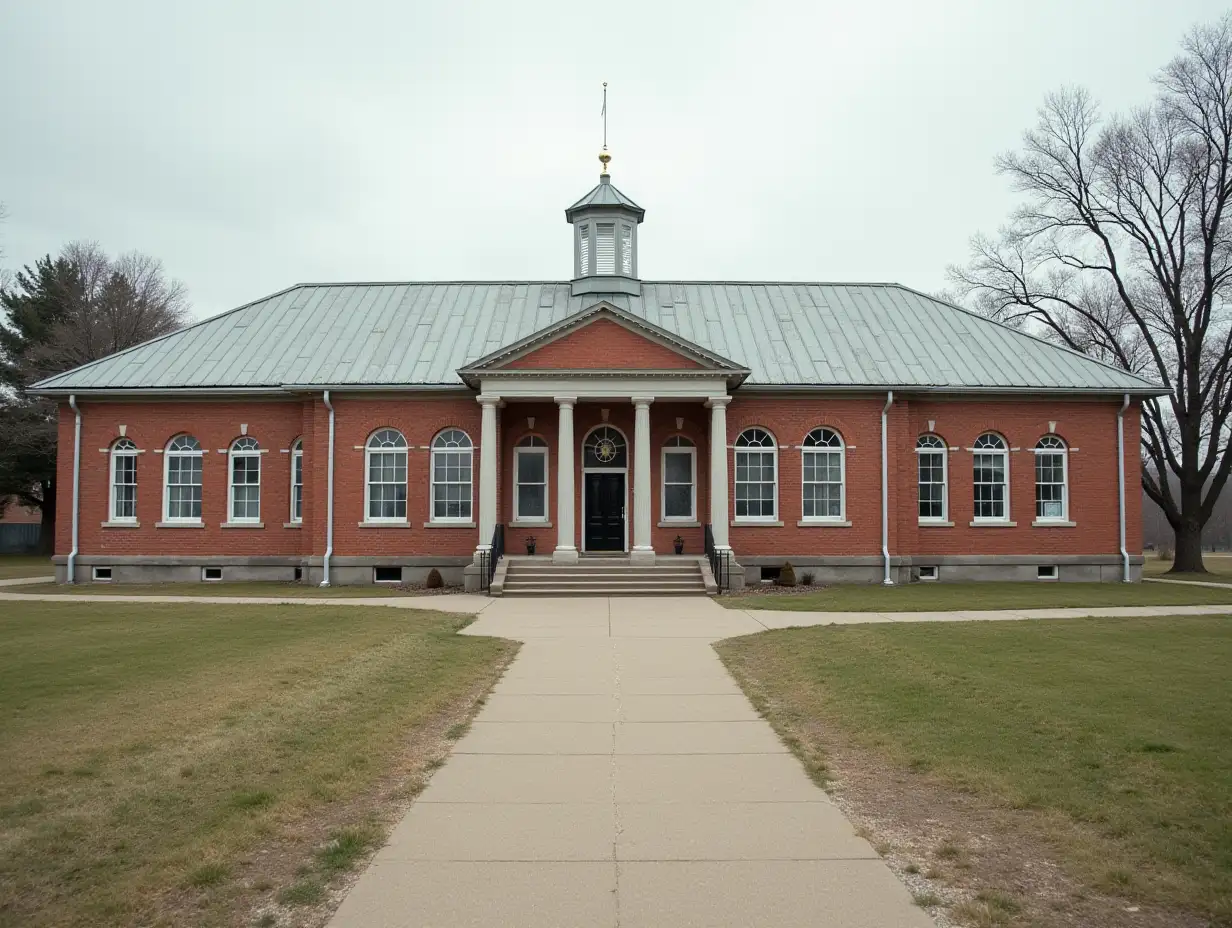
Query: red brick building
(346, 433)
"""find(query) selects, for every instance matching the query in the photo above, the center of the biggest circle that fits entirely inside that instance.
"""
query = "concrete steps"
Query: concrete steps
(601, 577)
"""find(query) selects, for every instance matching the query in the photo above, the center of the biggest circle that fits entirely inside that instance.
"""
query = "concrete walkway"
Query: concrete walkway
(618, 776)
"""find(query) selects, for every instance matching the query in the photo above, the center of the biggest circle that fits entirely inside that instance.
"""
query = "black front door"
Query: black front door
(605, 512)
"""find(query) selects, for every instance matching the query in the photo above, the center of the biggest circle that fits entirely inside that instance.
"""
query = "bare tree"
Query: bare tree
(64, 312)
(1123, 250)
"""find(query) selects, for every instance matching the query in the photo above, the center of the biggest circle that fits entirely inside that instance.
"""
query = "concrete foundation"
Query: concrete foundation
(949, 568)
(344, 571)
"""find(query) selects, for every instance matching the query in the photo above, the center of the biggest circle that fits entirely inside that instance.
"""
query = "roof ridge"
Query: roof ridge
(1036, 338)
(158, 338)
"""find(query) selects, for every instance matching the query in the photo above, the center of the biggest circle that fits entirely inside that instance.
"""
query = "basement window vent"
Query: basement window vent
(929, 573)
(771, 574)
(102, 574)
(211, 574)
(386, 574)
(1047, 572)
(299, 574)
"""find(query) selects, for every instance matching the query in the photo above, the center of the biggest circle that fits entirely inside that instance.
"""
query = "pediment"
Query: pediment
(606, 339)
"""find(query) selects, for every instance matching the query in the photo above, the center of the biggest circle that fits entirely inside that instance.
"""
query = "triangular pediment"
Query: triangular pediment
(603, 338)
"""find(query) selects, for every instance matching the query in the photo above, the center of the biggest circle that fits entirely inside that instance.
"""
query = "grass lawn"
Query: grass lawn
(13, 566)
(270, 589)
(177, 765)
(1218, 566)
(949, 597)
(1114, 734)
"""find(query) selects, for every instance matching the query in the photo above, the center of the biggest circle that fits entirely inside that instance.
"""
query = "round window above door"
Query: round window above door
(605, 447)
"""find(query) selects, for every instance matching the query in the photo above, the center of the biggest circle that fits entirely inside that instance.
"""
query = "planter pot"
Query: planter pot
(680, 549)
(530, 549)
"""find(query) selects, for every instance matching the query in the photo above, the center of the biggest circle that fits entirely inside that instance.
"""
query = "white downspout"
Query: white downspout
(329, 494)
(885, 489)
(1121, 485)
(72, 555)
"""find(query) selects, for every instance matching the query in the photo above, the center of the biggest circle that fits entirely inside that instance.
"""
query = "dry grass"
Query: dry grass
(195, 764)
(265, 589)
(13, 566)
(1105, 741)
(1218, 566)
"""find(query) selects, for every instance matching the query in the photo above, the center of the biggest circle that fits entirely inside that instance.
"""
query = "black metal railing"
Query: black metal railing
(490, 558)
(720, 562)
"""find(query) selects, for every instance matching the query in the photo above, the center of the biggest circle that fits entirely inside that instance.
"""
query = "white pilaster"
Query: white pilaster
(643, 550)
(566, 547)
(718, 469)
(487, 472)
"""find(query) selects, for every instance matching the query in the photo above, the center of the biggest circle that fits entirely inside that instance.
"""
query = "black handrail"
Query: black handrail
(720, 562)
(490, 558)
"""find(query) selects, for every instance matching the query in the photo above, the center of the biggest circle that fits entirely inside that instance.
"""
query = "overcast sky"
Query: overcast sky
(252, 145)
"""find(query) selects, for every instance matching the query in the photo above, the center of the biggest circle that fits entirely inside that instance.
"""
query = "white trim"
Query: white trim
(369, 450)
(518, 518)
(773, 448)
(1063, 451)
(433, 451)
(234, 455)
(687, 384)
(114, 453)
(1006, 483)
(942, 519)
(168, 520)
(297, 457)
(841, 518)
(604, 470)
(691, 450)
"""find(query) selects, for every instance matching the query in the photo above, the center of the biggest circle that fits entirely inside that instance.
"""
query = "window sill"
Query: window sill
(450, 525)
(197, 524)
(823, 523)
(384, 524)
(1053, 523)
(241, 525)
(121, 524)
(935, 523)
(529, 523)
(745, 523)
(292, 524)
(993, 523)
(680, 523)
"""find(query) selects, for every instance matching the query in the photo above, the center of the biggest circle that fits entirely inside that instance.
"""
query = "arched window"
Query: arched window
(385, 477)
(182, 480)
(530, 480)
(244, 482)
(824, 474)
(1051, 480)
(123, 504)
(931, 467)
(679, 480)
(756, 476)
(991, 473)
(451, 476)
(297, 481)
(605, 447)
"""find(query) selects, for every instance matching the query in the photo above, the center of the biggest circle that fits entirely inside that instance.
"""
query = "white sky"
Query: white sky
(252, 145)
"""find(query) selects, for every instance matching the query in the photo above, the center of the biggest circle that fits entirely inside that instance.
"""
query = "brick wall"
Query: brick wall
(603, 345)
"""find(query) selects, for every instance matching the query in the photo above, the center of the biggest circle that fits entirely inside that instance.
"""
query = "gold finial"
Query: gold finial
(604, 157)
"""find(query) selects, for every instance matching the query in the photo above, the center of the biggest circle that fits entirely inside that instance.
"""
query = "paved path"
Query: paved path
(618, 776)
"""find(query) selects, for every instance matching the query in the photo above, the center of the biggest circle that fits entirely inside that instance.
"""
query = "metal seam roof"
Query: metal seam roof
(419, 334)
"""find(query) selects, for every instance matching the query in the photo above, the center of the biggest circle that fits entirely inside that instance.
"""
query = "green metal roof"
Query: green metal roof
(810, 335)
(605, 194)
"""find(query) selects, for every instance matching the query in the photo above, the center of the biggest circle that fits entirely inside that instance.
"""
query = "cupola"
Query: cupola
(605, 225)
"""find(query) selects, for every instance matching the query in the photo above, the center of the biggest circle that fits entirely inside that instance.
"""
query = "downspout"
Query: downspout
(1121, 485)
(329, 493)
(885, 489)
(72, 555)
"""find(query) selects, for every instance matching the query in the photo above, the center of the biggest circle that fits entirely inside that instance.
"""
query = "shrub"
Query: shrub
(434, 581)
(1164, 553)
(806, 578)
(787, 576)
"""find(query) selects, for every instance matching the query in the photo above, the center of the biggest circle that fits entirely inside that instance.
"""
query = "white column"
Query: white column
(487, 472)
(643, 550)
(718, 469)
(566, 549)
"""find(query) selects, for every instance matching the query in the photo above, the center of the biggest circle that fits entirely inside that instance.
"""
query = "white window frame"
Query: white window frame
(469, 450)
(1003, 451)
(841, 451)
(942, 449)
(243, 448)
(168, 455)
(518, 451)
(773, 449)
(398, 448)
(691, 450)
(121, 448)
(297, 470)
(1055, 445)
